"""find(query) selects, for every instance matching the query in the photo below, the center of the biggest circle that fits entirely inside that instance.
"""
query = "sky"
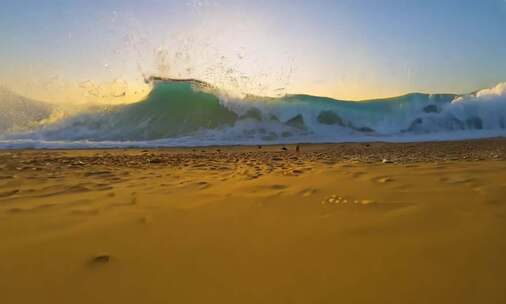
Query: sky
(90, 50)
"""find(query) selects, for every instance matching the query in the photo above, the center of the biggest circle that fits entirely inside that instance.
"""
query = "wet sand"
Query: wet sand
(341, 223)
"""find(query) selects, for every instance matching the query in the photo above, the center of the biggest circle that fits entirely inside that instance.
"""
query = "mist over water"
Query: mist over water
(193, 113)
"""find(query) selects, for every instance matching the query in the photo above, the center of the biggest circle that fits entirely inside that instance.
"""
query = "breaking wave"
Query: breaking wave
(192, 113)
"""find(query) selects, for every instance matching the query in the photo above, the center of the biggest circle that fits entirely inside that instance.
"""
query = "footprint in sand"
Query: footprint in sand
(308, 192)
(383, 180)
(277, 187)
(9, 193)
(270, 190)
(15, 210)
(203, 185)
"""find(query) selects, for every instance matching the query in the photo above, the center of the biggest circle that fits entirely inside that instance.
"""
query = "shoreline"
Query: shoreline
(119, 145)
(480, 149)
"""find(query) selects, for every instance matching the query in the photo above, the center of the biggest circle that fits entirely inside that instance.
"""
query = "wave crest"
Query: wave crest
(191, 112)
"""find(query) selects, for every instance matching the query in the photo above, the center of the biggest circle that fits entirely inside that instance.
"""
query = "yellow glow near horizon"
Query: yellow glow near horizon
(339, 49)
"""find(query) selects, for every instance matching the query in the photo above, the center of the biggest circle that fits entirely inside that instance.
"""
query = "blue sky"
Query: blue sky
(350, 49)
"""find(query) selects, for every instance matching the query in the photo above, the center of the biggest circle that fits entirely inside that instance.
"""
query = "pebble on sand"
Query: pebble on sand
(101, 258)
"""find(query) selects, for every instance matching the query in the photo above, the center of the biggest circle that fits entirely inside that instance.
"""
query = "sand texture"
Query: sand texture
(347, 223)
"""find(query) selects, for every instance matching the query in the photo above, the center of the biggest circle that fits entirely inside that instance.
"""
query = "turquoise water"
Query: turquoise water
(193, 113)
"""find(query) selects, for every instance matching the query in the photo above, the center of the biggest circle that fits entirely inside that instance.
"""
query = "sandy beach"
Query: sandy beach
(338, 223)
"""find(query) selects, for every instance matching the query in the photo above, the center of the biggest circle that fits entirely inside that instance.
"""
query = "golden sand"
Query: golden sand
(405, 223)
